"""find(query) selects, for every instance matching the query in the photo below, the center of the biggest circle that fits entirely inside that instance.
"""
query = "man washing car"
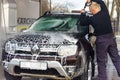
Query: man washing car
(105, 42)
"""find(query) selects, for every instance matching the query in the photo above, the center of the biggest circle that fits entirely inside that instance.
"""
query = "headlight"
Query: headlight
(67, 50)
(10, 46)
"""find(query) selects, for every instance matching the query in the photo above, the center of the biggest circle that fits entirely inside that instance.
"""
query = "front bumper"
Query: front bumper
(55, 68)
(14, 68)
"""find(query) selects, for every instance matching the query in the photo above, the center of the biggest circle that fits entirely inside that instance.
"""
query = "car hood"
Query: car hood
(47, 38)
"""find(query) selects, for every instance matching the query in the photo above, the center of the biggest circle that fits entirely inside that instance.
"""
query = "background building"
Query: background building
(16, 15)
(27, 12)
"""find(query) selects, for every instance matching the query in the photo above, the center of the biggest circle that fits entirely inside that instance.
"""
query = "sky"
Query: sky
(73, 4)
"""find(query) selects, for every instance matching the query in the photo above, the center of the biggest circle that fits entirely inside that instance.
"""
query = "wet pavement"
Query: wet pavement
(112, 74)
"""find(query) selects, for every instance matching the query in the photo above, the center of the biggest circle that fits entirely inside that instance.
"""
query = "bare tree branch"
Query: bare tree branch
(117, 2)
(112, 10)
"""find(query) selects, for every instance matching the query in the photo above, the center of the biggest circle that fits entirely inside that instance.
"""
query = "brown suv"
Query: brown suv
(54, 47)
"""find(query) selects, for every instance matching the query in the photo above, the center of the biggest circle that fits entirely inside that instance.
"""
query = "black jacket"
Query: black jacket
(100, 21)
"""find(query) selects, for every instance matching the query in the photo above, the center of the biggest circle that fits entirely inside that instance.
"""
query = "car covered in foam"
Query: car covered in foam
(54, 47)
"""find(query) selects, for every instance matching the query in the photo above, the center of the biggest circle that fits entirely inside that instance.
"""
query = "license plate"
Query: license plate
(34, 65)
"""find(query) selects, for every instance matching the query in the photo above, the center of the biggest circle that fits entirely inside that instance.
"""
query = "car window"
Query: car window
(54, 24)
(59, 23)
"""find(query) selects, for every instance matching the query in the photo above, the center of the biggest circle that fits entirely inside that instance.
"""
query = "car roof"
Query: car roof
(62, 14)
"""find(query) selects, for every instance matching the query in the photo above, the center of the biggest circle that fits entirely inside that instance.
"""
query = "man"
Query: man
(105, 42)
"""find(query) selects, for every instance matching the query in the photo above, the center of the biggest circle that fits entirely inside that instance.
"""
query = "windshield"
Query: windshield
(55, 23)
(59, 22)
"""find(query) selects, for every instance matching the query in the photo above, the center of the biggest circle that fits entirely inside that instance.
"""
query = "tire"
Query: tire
(11, 77)
(88, 71)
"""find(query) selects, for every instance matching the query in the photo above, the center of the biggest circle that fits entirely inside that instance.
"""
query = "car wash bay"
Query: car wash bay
(112, 74)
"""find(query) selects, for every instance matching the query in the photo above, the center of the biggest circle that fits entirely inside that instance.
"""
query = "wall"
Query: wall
(19, 14)
(27, 8)
(8, 15)
(27, 13)
(0, 14)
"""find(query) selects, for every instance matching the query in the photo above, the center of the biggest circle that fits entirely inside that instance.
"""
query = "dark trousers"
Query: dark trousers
(106, 44)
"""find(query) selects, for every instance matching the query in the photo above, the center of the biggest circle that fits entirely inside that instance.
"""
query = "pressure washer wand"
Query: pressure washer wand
(85, 5)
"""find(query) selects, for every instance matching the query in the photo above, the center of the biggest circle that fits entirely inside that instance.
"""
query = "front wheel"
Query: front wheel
(88, 71)
(11, 77)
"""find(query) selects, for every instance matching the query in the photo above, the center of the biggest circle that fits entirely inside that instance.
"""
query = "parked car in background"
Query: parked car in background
(54, 47)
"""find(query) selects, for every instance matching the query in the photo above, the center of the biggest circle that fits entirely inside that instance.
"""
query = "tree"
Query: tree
(115, 7)
(112, 9)
(117, 2)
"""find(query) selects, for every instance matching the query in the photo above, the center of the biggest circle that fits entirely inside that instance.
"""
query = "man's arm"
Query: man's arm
(84, 20)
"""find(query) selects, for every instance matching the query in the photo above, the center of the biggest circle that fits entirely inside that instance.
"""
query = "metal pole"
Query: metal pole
(3, 20)
(0, 12)
(40, 7)
(118, 31)
(50, 5)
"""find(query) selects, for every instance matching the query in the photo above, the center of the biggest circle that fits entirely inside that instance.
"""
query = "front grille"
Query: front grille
(41, 53)
(49, 71)
(22, 52)
(49, 53)
(71, 60)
